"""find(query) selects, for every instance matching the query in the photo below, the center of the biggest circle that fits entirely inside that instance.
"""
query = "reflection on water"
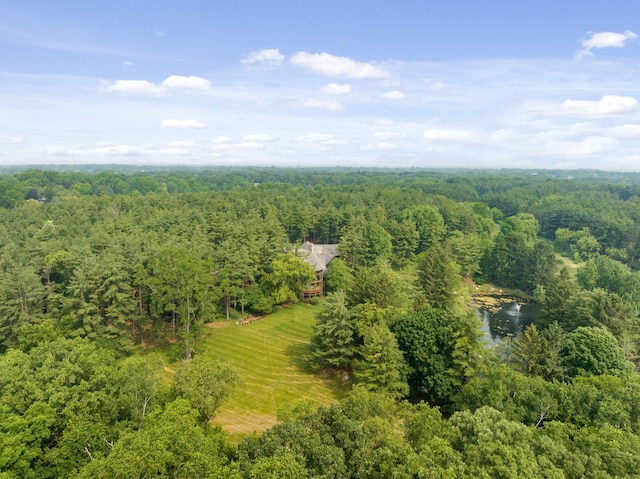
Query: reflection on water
(510, 320)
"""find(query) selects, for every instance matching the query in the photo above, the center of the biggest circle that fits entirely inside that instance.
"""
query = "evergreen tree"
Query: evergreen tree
(380, 366)
(334, 334)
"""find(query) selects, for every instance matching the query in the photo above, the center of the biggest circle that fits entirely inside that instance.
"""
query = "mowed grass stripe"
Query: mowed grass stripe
(269, 356)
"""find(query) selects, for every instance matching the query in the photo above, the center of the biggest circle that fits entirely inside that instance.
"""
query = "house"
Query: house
(318, 256)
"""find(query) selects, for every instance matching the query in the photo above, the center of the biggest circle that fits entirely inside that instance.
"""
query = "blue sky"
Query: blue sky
(543, 84)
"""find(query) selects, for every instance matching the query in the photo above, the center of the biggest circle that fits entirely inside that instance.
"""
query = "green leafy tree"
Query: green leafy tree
(493, 446)
(23, 438)
(53, 387)
(206, 383)
(170, 445)
(594, 351)
(442, 348)
(284, 466)
(382, 286)
(404, 241)
(139, 384)
(556, 294)
(289, 274)
(339, 276)
(183, 284)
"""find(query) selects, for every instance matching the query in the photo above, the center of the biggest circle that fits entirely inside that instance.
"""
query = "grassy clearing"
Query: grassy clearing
(268, 355)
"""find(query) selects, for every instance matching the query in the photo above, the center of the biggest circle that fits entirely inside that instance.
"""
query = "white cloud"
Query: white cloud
(626, 131)
(453, 136)
(222, 146)
(181, 144)
(505, 134)
(334, 66)
(435, 86)
(389, 135)
(393, 95)
(54, 150)
(135, 87)
(384, 122)
(11, 141)
(172, 84)
(259, 137)
(319, 138)
(101, 149)
(337, 88)
(250, 145)
(382, 146)
(128, 150)
(175, 151)
(128, 63)
(271, 55)
(330, 105)
(177, 82)
(249, 142)
(608, 105)
(587, 147)
(181, 124)
(605, 40)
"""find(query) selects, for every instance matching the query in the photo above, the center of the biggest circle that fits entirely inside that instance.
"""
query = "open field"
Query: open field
(268, 355)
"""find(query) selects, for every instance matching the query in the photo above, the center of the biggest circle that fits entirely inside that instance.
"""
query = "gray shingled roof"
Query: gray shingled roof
(318, 255)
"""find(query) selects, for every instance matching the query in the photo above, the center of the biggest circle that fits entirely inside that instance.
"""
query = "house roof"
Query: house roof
(318, 255)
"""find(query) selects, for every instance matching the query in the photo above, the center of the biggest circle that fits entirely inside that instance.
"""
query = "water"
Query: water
(509, 321)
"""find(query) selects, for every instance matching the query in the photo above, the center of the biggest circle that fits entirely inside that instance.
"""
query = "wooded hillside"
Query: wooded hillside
(95, 268)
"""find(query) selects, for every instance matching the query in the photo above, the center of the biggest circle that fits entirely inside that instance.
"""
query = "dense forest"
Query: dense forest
(97, 266)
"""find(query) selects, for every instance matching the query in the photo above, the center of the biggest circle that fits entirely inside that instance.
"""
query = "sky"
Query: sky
(404, 83)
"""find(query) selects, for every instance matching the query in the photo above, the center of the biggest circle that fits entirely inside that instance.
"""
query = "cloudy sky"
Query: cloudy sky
(424, 83)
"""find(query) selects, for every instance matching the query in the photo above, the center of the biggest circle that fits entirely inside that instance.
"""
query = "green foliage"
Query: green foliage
(139, 383)
(287, 278)
(612, 276)
(442, 349)
(438, 278)
(429, 225)
(594, 351)
(334, 334)
(559, 289)
(46, 391)
(90, 262)
(528, 351)
(381, 286)
(206, 383)
(524, 224)
(364, 243)
(170, 445)
(182, 284)
(525, 399)
(339, 276)
(380, 366)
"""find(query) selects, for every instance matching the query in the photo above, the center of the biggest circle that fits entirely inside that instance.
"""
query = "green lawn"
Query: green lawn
(268, 355)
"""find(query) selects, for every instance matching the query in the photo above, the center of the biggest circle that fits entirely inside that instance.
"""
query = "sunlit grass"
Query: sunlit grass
(269, 356)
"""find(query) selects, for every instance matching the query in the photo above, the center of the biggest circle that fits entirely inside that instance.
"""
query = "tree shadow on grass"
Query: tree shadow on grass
(297, 354)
